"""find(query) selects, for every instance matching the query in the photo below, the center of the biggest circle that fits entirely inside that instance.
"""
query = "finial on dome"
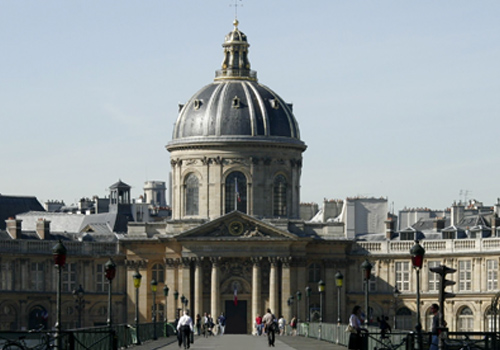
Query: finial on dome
(235, 23)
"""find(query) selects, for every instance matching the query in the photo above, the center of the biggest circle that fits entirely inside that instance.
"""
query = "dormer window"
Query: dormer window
(275, 103)
(197, 104)
(236, 102)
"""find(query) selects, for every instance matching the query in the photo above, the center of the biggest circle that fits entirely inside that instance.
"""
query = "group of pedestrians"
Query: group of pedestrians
(186, 327)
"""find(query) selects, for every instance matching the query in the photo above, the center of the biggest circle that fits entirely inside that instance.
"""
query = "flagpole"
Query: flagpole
(235, 193)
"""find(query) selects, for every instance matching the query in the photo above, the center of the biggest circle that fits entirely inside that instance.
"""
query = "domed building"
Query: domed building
(236, 146)
(236, 232)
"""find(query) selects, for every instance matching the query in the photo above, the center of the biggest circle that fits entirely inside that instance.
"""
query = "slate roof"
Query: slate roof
(10, 206)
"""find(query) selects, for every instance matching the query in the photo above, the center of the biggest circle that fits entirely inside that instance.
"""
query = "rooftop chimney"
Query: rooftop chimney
(43, 228)
(14, 227)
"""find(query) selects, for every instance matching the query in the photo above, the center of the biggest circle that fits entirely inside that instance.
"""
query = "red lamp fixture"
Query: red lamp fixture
(59, 254)
(417, 255)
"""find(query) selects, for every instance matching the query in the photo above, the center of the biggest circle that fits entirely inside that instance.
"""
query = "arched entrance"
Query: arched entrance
(38, 318)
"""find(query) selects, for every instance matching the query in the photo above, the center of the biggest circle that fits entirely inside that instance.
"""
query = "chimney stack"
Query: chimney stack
(43, 228)
(14, 227)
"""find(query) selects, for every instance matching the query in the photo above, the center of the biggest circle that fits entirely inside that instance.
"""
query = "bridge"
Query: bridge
(241, 342)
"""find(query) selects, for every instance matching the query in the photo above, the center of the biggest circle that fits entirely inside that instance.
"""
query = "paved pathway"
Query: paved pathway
(241, 342)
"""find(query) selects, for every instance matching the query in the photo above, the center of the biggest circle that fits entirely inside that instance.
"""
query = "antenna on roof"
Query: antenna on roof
(236, 8)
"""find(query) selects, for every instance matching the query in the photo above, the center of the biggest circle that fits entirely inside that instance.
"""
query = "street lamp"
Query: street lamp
(137, 283)
(154, 286)
(186, 302)
(165, 294)
(396, 294)
(339, 281)
(176, 297)
(183, 299)
(367, 269)
(59, 255)
(417, 259)
(321, 290)
(308, 295)
(109, 272)
(79, 303)
(290, 304)
(299, 298)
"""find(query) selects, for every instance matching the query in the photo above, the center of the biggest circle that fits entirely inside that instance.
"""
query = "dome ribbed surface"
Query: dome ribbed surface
(236, 108)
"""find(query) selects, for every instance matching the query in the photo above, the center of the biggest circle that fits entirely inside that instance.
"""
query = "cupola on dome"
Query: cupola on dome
(235, 107)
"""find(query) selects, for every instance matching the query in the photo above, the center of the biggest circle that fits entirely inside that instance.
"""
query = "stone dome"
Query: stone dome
(235, 107)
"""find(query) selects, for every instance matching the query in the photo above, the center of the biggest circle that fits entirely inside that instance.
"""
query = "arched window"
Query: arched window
(236, 192)
(465, 320)
(279, 196)
(158, 273)
(404, 318)
(192, 194)
(314, 273)
(490, 324)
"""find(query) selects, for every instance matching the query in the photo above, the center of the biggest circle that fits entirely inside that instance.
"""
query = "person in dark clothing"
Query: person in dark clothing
(270, 326)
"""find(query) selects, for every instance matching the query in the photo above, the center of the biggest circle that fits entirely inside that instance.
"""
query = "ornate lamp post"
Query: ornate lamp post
(396, 294)
(165, 294)
(186, 302)
(137, 283)
(321, 290)
(290, 304)
(417, 259)
(299, 298)
(308, 295)
(176, 297)
(154, 286)
(339, 281)
(110, 272)
(59, 255)
(367, 269)
(183, 300)
(79, 303)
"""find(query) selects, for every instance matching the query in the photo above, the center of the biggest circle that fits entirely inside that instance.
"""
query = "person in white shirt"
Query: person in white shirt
(185, 327)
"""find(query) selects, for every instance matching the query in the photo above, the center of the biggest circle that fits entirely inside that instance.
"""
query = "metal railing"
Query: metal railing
(96, 338)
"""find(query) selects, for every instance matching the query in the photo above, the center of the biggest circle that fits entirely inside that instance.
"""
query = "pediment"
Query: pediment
(236, 226)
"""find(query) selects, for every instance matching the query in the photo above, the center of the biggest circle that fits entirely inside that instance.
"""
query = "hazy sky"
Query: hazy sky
(397, 99)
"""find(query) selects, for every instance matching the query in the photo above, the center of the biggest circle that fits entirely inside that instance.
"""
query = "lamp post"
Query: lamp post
(165, 294)
(186, 302)
(183, 299)
(308, 295)
(396, 294)
(321, 290)
(290, 304)
(79, 303)
(110, 272)
(176, 297)
(137, 283)
(59, 255)
(339, 281)
(154, 287)
(299, 298)
(417, 259)
(367, 269)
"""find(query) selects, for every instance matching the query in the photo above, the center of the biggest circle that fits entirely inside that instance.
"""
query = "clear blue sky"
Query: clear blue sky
(397, 99)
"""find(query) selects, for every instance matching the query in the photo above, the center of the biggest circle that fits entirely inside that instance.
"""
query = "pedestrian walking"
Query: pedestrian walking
(270, 326)
(185, 327)
(258, 324)
(281, 325)
(222, 323)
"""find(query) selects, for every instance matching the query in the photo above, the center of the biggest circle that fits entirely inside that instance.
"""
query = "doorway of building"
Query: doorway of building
(236, 317)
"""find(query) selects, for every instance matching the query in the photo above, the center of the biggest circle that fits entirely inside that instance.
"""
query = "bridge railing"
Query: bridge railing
(95, 338)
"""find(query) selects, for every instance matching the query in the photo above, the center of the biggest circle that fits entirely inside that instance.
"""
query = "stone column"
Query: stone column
(198, 288)
(273, 286)
(215, 290)
(171, 282)
(286, 290)
(185, 281)
(256, 289)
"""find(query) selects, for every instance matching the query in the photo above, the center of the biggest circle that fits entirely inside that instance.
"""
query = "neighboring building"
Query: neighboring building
(237, 226)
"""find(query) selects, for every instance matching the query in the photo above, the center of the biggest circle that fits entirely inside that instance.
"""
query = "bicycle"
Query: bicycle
(45, 342)
(465, 344)
(386, 343)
